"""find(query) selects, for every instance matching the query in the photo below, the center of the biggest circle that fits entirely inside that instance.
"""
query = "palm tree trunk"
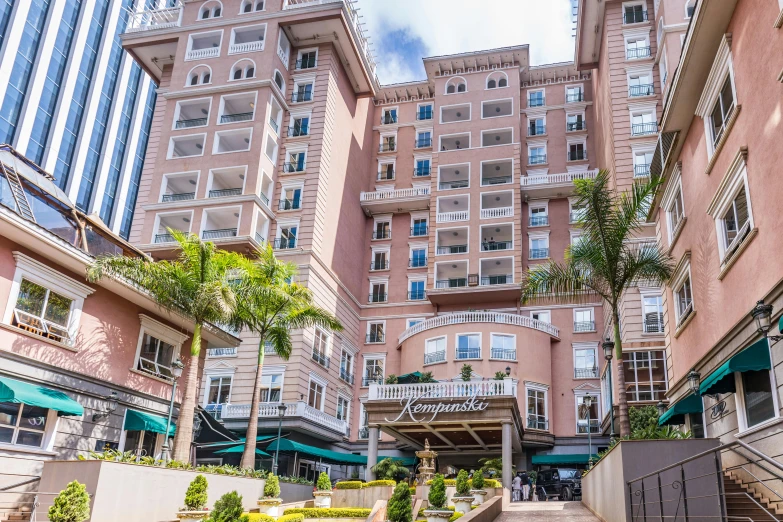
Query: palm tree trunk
(184, 434)
(249, 455)
(622, 398)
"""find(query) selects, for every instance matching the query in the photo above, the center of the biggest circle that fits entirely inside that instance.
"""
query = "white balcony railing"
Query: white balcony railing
(380, 195)
(450, 217)
(298, 409)
(229, 351)
(553, 179)
(246, 47)
(198, 54)
(442, 390)
(480, 317)
(487, 213)
(154, 19)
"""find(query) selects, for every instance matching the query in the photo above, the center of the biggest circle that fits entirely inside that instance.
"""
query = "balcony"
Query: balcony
(230, 351)
(496, 237)
(539, 253)
(346, 376)
(320, 358)
(505, 279)
(289, 204)
(576, 155)
(366, 381)
(586, 373)
(496, 108)
(538, 221)
(634, 17)
(454, 282)
(653, 325)
(492, 138)
(223, 193)
(204, 46)
(417, 295)
(419, 230)
(573, 97)
(219, 233)
(181, 196)
(154, 19)
(641, 170)
(461, 354)
(536, 130)
(379, 265)
(226, 182)
(383, 233)
(644, 129)
(455, 113)
(284, 243)
(233, 118)
(421, 172)
(479, 317)
(635, 91)
(435, 357)
(378, 297)
(452, 217)
(503, 354)
(497, 173)
(417, 262)
(452, 249)
(296, 411)
(179, 187)
(422, 143)
(247, 39)
(635, 53)
(584, 326)
(443, 390)
(399, 200)
(186, 146)
(550, 185)
(574, 126)
(536, 159)
(232, 141)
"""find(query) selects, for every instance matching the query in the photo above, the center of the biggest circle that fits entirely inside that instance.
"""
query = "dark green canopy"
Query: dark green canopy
(140, 421)
(677, 411)
(753, 358)
(240, 448)
(565, 458)
(409, 378)
(328, 456)
(18, 392)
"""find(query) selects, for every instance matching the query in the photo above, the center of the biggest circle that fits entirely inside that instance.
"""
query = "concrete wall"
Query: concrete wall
(295, 492)
(362, 498)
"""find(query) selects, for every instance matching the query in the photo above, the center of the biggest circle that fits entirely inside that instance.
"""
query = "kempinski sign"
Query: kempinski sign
(413, 407)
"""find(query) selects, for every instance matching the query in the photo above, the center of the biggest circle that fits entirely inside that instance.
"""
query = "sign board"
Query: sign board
(418, 412)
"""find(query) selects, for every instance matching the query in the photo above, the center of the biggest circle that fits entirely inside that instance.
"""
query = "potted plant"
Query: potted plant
(436, 511)
(323, 491)
(478, 490)
(195, 500)
(71, 505)
(466, 372)
(463, 499)
(400, 508)
(228, 509)
(270, 503)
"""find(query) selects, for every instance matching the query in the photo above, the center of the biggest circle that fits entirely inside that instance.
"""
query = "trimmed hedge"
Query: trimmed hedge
(374, 483)
(455, 516)
(488, 483)
(357, 484)
(329, 512)
(262, 517)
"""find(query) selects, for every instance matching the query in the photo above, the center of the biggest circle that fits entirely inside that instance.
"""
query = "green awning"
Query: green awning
(677, 411)
(753, 358)
(240, 448)
(780, 324)
(140, 421)
(408, 378)
(565, 458)
(18, 392)
(328, 456)
(260, 438)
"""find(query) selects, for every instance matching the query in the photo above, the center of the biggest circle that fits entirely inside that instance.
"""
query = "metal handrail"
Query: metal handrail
(23, 483)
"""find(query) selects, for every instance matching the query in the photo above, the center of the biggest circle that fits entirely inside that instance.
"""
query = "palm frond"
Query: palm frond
(559, 282)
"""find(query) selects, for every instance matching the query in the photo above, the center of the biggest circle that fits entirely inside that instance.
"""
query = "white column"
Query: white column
(372, 453)
(506, 454)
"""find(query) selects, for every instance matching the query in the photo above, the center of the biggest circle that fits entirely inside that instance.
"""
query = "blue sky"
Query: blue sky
(404, 31)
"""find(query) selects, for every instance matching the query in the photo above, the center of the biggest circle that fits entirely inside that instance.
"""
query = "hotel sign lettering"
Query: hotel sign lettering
(418, 411)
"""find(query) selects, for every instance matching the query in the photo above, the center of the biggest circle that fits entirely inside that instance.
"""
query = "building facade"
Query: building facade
(74, 103)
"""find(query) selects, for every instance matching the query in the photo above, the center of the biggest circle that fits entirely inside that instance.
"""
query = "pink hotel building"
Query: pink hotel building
(413, 210)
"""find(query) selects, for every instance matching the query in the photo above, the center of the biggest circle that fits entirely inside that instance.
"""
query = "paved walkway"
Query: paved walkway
(546, 512)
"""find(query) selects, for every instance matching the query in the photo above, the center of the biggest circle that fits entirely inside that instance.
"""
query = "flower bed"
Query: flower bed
(329, 512)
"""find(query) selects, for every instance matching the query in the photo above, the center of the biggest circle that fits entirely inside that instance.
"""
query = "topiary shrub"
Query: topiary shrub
(466, 372)
(478, 480)
(463, 486)
(323, 484)
(260, 517)
(71, 505)
(437, 495)
(272, 486)
(399, 508)
(196, 495)
(375, 483)
(349, 484)
(228, 509)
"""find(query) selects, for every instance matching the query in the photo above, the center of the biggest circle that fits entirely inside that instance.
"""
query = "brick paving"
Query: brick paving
(547, 512)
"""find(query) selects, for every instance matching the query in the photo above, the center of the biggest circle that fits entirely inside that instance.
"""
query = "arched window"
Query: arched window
(450, 89)
(491, 84)
(456, 84)
(461, 87)
(497, 79)
(211, 9)
(199, 75)
(243, 69)
(248, 6)
(279, 81)
(502, 82)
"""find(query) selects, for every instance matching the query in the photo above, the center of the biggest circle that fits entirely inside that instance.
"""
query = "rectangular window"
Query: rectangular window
(315, 396)
(343, 409)
(419, 227)
(423, 139)
(156, 357)
(321, 347)
(637, 48)
(545, 316)
(141, 443)
(640, 85)
(382, 230)
(643, 123)
(435, 350)
(536, 127)
(536, 155)
(641, 163)
(291, 198)
(418, 257)
(375, 333)
(424, 112)
(422, 167)
(653, 313)
(585, 364)
(634, 14)
(675, 212)
(468, 346)
(416, 291)
(536, 99)
(287, 238)
(645, 375)
(735, 222)
(683, 300)
(307, 60)
(296, 162)
(271, 387)
(43, 312)
(536, 409)
(388, 144)
(346, 366)
(503, 347)
(757, 397)
(721, 111)
(373, 371)
(574, 94)
(575, 122)
(303, 92)
(385, 171)
(576, 152)
(378, 293)
(389, 116)
(539, 215)
(300, 126)
(380, 260)
(22, 424)
(539, 248)
(219, 390)
(587, 416)
(583, 320)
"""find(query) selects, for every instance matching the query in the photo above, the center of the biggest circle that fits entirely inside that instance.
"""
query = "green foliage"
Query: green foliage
(329, 512)
(466, 372)
(262, 517)
(462, 483)
(499, 376)
(399, 508)
(455, 516)
(412, 489)
(391, 379)
(272, 486)
(354, 474)
(437, 495)
(71, 505)
(228, 509)
(295, 480)
(478, 480)
(491, 465)
(427, 377)
(382, 482)
(196, 495)
(349, 484)
(533, 474)
(390, 469)
(643, 417)
(323, 484)
(488, 483)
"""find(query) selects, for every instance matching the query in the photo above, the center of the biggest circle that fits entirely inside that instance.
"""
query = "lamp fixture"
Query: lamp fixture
(608, 347)
(762, 316)
(112, 400)
(508, 371)
(661, 408)
(694, 381)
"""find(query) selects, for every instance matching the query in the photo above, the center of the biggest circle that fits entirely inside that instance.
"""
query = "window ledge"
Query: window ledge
(585, 331)
(684, 324)
(503, 360)
(760, 427)
(722, 140)
(41, 338)
(469, 359)
(728, 263)
(150, 376)
(434, 363)
(676, 233)
(13, 448)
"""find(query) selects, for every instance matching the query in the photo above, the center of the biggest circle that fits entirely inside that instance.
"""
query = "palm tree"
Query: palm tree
(390, 469)
(198, 284)
(607, 260)
(271, 306)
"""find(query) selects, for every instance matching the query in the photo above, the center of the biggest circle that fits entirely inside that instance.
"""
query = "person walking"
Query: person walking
(525, 485)
(516, 488)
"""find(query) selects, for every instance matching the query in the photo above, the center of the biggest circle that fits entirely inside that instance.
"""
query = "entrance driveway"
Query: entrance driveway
(546, 512)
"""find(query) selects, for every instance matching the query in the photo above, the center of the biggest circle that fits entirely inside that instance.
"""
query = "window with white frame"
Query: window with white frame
(587, 417)
(539, 213)
(435, 350)
(413, 322)
(416, 289)
(575, 122)
(645, 375)
(718, 100)
(539, 246)
(380, 259)
(210, 10)
(389, 115)
(286, 236)
(585, 361)
(25, 425)
(343, 412)
(637, 47)
(373, 370)
(299, 125)
(640, 84)
(418, 225)
(284, 53)
(381, 228)
(536, 98)
(42, 311)
(218, 390)
(536, 125)
(757, 400)
(642, 159)
(141, 443)
(378, 291)
(652, 313)
(468, 346)
(424, 112)
(249, 6)
(536, 154)
(386, 170)
(423, 138)
(502, 346)
(584, 320)
(690, 7)
(290, 198)
(346, 366)
(673, 205)
(418, 257)
(576, 213)
(296, 160)
(663, 68)
(271, 386)
(159, 346)
(682, 291)
(321, 341)
(731, 209)
(200, 75)
(423, 166)
(315, 393)
(376, 332)
(545, 316)
(307, 59)
(634, 12)
(303, 90)
(537, 408)
(643, 122)
(574, 93)
(577, 151)
(388, 143)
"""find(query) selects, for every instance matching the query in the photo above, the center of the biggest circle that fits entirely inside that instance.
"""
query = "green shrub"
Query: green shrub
(437, 496)
(324, 484)
(466, 372)
(391, 379)
(491, 483)
(196, 495)
(499, 376)
(349, 484)
(71, 505)
(329, 512)
(261, 517)
(272, 486)
(488, 483)
(374, 483)
(399, 507)
(463, 486)
(391, 469)
(477, 482)
(412, 489)
(455, 516)
(427, 377)
(228, 509)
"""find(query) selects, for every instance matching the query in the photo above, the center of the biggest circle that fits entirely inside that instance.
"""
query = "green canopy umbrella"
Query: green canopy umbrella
(240, 448)
(409, 378)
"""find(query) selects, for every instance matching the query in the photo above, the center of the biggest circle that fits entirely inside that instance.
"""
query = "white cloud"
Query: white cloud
(454, 26)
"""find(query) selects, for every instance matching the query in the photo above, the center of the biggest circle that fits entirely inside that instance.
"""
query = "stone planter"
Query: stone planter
(323, 499)
(438, 515)
(462, 504)
(478, 495)
(193, 515)
(270, 506)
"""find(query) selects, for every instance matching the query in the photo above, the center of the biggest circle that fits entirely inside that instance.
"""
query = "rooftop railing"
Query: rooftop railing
(154, 19)
(479, 317)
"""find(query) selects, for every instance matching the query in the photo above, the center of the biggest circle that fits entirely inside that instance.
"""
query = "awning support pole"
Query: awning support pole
(506, 454)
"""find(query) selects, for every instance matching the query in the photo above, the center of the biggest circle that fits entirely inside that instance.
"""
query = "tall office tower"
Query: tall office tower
(74, 102)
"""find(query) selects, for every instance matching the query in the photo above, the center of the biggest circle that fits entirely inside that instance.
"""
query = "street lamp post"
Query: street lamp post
(176, 372)
(587, 401)
(608, 347)
(281, 413)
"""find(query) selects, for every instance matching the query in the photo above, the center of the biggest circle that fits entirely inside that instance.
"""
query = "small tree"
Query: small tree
(437, 496)
(272, 486)
(427, 377)
(463, 486)
(228, 509)
(399, 508)
(196, 495)
(466, 372)
(71, 505)
(391, 379)
(323, 484)
(478, 480)
(499, 376)
(390, 469)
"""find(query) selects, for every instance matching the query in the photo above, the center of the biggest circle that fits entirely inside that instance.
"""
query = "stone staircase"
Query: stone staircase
(744, 501)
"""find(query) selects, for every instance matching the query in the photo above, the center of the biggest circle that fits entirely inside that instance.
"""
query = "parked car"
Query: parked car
(564, 483)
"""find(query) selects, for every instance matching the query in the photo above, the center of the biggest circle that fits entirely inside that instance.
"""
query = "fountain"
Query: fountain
(426, 468)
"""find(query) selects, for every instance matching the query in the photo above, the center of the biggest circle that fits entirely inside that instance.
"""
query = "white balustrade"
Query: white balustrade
(442, 390)
(298, 409)
(198, 54)
(153, 19)
(246, 47)
(551, 179)
(480, 317)
(450, 217)
(380, 195)
(487, 213)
